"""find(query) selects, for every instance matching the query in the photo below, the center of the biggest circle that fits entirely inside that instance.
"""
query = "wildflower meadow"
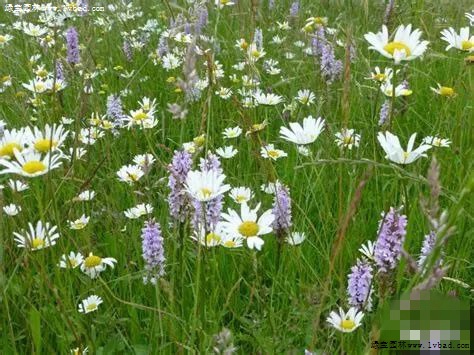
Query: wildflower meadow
(232, 176)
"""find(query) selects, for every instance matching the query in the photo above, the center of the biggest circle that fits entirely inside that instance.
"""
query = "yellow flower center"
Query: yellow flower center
(229, 244)
(42, 73)
(273, 154)
(392, 46)
(348, 140)
(91, 306)
(92, 261)
(240, 198)
(133, 177)
(379, 77)
(405, 155)
(437, 142)
(224, 2)
(244, 44)
(44, 145)
(38, 87)
(255, 53)
(140, 116)
(467, 45)
(33, 166)
(72, 262)
(213, 237)
(249, 229)
(37, 243)
(3, 39)
(199, 141)
(206, 193)
(7, 149)
(446, 91)
(5, 78)
(347, 324)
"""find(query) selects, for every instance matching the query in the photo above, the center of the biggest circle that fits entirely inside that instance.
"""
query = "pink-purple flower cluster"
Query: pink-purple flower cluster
(72, 46)
(153, 252)
(177, 198)
(282, 209)
(359, 287)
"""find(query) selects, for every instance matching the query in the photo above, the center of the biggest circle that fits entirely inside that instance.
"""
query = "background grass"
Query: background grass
(267, 309)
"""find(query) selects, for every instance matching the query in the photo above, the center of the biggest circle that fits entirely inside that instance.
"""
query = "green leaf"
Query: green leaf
(35, 326)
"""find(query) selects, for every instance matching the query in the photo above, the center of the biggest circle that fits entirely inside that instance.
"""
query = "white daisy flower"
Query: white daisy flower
(305, 97)
(232, 132)
(11, 209)
(30, 163)
(303, 150)
(254, 53)
(93, 265)
(445, 91)
(139, 210)
(144, 160)
(303, 134)
(37, 86)
(224, 93)
(34, 30)
(248, 225)
(86, 195)
(436, 141)
(270, 152)
(50, 138)
(205, 185)
(405, 45)
(460, 41)
(367, 249)
(271, 187)
(4, 39)
(295, 238)
(71, 261)
(211, 239)
(345, 322)
(227, 152)
(267, 99)
(39, 237)
(241, 194)
(79, 223)
(130, 173)
(90, 304)
(170, 61)
(400, 90)
(11, 140)
(347, 138)
(380, 76)
(17, 185)
(394, 151)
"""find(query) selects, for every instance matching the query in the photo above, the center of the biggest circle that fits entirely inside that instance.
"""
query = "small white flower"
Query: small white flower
(345, 322)
(271, 187)
(227, 152)
(347, 138)
(86, 195)
(305, 97)
(224, 93)
(295, 238)
(367, 249)
(303, 150)
(436, 141)
(12, 209)
(79, 223)
(90, 304)
(303, 134)
(145, 161)
(267, 99)
(394, 151)
(270, 152)
(38, 237)
(130, 173)
(71, 261)
(205, 185)
(93, 265)
(139, 210)
(241, 194)
(17, 185)
(460, 41)
(232, 132)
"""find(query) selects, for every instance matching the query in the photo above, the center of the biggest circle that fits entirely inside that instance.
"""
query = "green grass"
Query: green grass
(268, 308)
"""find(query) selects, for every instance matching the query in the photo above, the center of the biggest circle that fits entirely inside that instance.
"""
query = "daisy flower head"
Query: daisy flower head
(90, 304)
(345, 322)
(394, 151)
(295, 238)
(460, 41)
(17, 185)
(367, 249)
(347, 138)
(405, 46)
(210, 239)
(71, 261)
(380, 76)
(436, 141)
(145, 161)
(270, 152)
(37, 237)
(30, 163)
(231, 241)
(303, 134)
(222, 3)
(4, 39)
(444, 91)
(303, 150)
(267, 99)
(86, 195)
(248, 225)
(255, 52)
(130, 173)
(305, 97)
(139, 210)
(232, 132)
(400, 90)
(79, 223)
(241, 194)
(205, 185)
(227, 152)
(93, 265)
(11, 140)
(11, 209)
